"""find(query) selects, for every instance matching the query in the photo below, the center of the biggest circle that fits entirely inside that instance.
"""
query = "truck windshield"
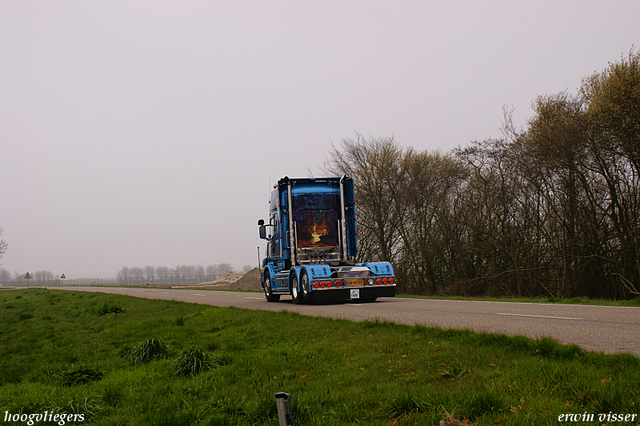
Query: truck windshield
(316, 217)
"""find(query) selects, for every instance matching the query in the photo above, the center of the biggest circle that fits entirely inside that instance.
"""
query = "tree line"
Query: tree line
(550, 210)
(39, 276)
(180, 273)
(133, 275)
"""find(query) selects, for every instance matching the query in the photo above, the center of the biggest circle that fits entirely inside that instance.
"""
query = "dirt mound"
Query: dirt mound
(227, 277)
(249, 281)
(232, 281)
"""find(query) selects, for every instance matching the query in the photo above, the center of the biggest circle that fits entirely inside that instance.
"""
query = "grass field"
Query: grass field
(118, 360)
(572, 301)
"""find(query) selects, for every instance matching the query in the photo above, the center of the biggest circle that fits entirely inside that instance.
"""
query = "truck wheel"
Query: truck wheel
(297, 297)
(307, 296)
(268, 291)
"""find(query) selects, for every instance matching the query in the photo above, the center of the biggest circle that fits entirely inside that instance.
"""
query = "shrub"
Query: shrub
(80, 375)
(191, 362)
(110, 309)
(24, 316)
(147, 351)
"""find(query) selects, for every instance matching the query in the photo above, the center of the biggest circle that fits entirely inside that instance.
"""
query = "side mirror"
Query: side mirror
(263, 229)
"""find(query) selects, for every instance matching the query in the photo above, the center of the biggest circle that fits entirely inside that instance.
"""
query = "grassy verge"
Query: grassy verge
(119, 360)
(571, 301)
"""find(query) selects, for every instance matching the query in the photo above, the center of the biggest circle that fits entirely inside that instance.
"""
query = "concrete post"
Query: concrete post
(283, 402)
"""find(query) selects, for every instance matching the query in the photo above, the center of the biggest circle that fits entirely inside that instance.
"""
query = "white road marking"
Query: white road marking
(164, 292)
(251, 297)
(538, 316)
(198, 294)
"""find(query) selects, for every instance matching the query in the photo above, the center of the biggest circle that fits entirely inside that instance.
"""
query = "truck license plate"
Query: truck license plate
(358, 282)
(355, 293)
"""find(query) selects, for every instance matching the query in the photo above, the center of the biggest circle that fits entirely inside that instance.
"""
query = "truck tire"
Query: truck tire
(307, 296)
(295, 294)
(268, 291)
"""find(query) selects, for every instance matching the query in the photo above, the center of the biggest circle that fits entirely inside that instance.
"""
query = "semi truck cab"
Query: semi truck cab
(312, 245)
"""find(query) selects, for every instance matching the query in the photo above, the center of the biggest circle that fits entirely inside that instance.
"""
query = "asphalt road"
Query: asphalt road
(599, 328)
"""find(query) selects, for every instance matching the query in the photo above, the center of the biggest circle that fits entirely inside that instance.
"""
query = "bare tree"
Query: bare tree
(212, 271)
(3, 244)
(612, 98)
(149, 273)
(124, 275)
(137, 274)
(223, 268)
(199, 272)
(163, 273)
(429, 240)
(43, 276)
(557, 143)
(5, 276)
(373, 164)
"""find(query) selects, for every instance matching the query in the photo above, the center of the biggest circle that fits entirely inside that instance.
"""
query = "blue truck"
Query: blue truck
(312, 245)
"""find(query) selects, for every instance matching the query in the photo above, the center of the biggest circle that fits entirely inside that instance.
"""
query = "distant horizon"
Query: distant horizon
(105, 275)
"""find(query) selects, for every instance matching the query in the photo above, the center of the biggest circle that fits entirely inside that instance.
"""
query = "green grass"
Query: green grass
(152, 362)
(571, 301)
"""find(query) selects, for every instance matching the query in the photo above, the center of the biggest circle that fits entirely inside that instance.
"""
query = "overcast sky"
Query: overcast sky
(137, 133)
